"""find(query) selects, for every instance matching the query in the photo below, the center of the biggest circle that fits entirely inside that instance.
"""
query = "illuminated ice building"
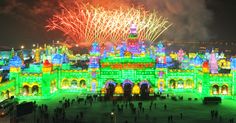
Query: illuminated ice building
(128, 69)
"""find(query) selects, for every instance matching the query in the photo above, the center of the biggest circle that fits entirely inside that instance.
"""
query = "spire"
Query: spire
(133, 29)
(213, 63)
(132, 43)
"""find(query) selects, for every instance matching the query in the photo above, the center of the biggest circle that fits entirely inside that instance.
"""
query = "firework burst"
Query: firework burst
(84, 23)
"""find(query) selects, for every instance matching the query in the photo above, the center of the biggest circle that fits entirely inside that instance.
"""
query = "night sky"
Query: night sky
(224, 19)
(22, 22)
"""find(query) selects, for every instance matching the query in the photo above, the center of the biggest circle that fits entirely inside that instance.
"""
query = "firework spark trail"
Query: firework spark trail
(85, 23)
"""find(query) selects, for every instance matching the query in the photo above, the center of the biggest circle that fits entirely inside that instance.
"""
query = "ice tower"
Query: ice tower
(133, 43)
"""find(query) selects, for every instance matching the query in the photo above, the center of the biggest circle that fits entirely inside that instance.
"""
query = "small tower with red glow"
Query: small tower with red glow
(133, 43)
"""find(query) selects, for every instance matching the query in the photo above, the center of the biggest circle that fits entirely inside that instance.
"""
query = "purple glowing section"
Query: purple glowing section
(133, 29)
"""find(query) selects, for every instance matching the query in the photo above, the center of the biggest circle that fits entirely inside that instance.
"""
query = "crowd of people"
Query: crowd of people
(137, 110)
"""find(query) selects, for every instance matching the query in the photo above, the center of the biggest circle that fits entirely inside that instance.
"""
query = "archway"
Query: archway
(160, 85)
(180, 84)
(172, 83)
(2, 95)
(53, 87)
(8, 94)
(74, 83)
(127, 87)
(65, 83)
(93, 85)
(144, 88)
(189, 83)
(224, 89)
(110, 87)
(25, 90)
(200, 86)
(215, 89)
(35, 89)
(82, 83)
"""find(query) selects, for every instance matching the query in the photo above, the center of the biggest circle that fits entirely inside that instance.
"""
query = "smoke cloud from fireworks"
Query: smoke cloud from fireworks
(190, 18)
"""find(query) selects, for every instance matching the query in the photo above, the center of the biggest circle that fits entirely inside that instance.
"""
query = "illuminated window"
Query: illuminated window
(35, 90)
(74, 84)
(215, 89)
(180, 83)
(189, 83)
(82, 83)
(224, 89)
(25, 90)
(65, 83)
(173, 83)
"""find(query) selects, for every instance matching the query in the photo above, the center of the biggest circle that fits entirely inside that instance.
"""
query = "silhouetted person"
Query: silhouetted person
(81, 115)
(63, 115)
(171, 118)
(231, 120)
(53, 119)
(212, 114)
(135, 118)
(140, 105)
(37, 120)
(181, 116)
(216, 114)
(122, 107)
(77, 116)
(165, 107)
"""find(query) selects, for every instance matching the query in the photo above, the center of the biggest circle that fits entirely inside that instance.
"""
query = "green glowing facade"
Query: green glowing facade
(128, 69)
(47, 81)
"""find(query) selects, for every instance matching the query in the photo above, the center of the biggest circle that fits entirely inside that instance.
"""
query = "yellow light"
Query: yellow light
(119, 89)
(136, 89)
(224, 92)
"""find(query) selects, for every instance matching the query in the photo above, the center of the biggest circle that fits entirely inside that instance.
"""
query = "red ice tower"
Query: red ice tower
(132, 42)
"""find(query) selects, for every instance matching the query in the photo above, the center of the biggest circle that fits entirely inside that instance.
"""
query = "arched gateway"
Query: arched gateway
(110, 87)
(144, 88)
(127, 87)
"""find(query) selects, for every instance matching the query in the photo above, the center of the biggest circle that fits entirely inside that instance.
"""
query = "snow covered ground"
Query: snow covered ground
(100, 112)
